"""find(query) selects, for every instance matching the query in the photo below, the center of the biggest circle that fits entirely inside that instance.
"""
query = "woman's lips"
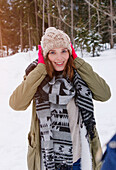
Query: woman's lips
(59, 63)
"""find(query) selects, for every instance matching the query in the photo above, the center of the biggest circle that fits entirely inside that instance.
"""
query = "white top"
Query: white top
(74, 128)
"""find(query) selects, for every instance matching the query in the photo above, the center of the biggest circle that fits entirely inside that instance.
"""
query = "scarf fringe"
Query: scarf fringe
(86, 158)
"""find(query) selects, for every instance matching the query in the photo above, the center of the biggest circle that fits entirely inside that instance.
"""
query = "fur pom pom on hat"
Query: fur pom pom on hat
(55, 38)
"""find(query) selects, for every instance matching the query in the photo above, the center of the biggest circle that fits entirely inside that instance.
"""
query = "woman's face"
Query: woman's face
(58, 58)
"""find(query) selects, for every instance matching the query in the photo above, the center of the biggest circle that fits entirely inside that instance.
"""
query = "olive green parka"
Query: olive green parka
(24, 94)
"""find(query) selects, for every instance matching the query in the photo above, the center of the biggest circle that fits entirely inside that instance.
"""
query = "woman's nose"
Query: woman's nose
(59, 56)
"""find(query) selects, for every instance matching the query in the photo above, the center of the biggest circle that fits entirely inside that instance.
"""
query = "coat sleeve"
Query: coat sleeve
(97, 85)
(23, 95)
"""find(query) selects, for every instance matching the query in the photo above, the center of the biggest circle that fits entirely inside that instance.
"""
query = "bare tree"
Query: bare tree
(60, 17)
(29, 32)
(102, 11)
(89, 15)
(48, 9)
(21, 28)
(36, 16)
(1, 45)
(111, 28)
(43, 16)
(59, 12)
(110, 14)
(98, 16)
(1, 35)
(72, 38)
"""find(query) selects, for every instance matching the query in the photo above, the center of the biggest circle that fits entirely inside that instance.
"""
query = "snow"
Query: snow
(15, 125)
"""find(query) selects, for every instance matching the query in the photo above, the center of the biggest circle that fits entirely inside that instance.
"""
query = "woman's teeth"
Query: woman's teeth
(59, 63)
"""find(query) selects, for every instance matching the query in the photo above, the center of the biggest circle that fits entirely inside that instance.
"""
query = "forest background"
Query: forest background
(91, 24)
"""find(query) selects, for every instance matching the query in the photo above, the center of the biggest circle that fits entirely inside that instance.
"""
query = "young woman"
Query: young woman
(63, 131)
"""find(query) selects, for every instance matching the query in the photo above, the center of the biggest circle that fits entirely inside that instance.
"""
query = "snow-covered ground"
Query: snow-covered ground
(14, 125)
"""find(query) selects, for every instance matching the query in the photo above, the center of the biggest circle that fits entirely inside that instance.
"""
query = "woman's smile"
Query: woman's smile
(58, 58)
(59, 63)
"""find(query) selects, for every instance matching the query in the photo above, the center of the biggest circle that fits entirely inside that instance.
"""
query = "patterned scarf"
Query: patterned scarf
(51, 109)
(52, 98)
(83, 99)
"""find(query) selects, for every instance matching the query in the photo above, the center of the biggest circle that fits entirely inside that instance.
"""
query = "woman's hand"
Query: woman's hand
(40, 56)
(73, 52)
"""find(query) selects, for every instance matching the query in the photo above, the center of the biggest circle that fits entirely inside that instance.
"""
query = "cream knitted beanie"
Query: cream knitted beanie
(55, 38)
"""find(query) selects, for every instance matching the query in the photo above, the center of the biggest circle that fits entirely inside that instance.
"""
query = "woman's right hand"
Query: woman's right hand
(40, 56)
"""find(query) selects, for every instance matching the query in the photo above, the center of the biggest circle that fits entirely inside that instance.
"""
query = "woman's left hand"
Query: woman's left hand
(73, 52)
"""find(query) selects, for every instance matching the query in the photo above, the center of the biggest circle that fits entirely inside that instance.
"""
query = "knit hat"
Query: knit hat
(55, 38)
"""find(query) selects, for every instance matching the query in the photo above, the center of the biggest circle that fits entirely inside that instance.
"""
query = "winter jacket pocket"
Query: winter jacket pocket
(31, 156)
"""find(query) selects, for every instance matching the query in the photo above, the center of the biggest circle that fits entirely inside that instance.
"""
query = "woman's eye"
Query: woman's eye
(64, 51)
(51, 52)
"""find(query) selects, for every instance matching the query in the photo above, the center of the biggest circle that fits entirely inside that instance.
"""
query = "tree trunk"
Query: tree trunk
(72, 38)
(36, 16)
(29, 32)
(7, 50)
(93, 51)
(43, 16)
(1, 45)
(1, 36)
(21, 29)
(98, 16)
(48, 9)
(89, 16)
(59, 12)
(111, 29)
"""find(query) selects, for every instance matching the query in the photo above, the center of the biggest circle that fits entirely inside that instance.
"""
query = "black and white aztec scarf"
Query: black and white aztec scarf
(52, 113)
(56, 143)
(51, 100)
